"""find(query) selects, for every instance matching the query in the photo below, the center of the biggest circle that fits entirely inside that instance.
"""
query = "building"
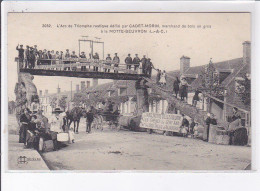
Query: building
(229, 72)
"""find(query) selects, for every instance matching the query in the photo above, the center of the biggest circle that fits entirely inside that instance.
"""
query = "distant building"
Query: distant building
(46, 99)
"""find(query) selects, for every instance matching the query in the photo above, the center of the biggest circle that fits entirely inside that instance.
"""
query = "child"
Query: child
(195, 131)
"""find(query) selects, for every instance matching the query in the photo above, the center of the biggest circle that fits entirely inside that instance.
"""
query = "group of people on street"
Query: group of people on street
(34, 126)
(188, 128)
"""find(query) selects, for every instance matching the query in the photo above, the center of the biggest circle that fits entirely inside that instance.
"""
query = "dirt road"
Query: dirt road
(126, 150)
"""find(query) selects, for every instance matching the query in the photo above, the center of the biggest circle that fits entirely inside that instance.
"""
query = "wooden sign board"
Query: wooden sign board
(164, 122)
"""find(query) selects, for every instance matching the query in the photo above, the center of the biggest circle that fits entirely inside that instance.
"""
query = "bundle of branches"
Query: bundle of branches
(154, 97)
(119, 99)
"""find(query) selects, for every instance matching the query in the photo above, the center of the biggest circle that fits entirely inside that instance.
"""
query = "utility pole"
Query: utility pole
(70, 90)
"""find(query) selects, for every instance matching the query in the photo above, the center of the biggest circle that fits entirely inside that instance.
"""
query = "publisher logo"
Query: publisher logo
(25, 160)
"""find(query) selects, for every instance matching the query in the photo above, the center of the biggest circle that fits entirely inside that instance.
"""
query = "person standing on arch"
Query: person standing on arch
(20, 55)
(116, 61)
(136, 62)
(149, 67)
(108, 63)
(176, 86)
(143, 61)
(128, 62)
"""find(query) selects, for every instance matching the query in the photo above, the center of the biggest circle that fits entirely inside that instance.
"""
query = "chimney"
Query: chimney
(184, 64)
(77, 88)
(83, 85)
(46, 92)
(246, 52)
(40, 93)
(95, 82)
(88, 84)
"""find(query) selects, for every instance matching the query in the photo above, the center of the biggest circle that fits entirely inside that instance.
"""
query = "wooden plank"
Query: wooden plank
(84, 74)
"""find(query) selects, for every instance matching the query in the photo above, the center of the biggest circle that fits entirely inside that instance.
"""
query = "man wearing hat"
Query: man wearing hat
(73, 55)
(27, 56)
(32, 58)
(56, 122)
(116, 61)
(67, 56)
(128, 62)
(149, 66)
(20, 55)
(136, 62)
(83, 55)
(108, 63)
(209, 120)
(96, 59)
(143, 61)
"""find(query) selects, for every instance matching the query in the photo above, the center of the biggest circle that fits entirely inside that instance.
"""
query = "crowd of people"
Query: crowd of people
(31, 56)
(34, 126)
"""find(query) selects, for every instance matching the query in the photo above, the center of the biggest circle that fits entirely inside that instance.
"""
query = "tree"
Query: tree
(63, 103)
(210, 83)
(53, 102)
(243, 90)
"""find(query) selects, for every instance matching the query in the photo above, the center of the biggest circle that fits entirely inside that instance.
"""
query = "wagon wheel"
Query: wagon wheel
(100, 122)
(95, 123)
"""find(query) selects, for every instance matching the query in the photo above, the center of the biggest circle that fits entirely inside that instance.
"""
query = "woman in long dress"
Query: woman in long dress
(163, 78)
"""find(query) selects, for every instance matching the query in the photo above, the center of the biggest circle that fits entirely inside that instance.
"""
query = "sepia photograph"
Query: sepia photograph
(139, 91)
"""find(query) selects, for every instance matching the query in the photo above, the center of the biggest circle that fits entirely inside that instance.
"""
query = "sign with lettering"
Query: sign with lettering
(164, 122)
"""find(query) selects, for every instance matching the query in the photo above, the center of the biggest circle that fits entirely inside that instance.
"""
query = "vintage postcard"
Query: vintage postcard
(129, 91)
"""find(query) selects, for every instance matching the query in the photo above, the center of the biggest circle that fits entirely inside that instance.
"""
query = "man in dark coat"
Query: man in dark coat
(143, 61)
(25, 118)
(158, 76)
(96, 59)
(20, 55)
(149, 67)
(210, 120)
(108, 63)
(90, 118)
(136, 62)
(128, 62)
(196, 98)
(27, 56)
(32, 58)
(176, 86)
(116, 61)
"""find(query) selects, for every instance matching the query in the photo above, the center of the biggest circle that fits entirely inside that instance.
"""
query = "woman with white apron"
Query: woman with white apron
(163, 78)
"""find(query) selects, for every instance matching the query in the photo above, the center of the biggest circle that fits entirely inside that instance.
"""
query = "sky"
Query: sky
(221, 40)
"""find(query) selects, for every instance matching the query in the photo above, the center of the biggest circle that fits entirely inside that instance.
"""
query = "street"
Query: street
(126, 150)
